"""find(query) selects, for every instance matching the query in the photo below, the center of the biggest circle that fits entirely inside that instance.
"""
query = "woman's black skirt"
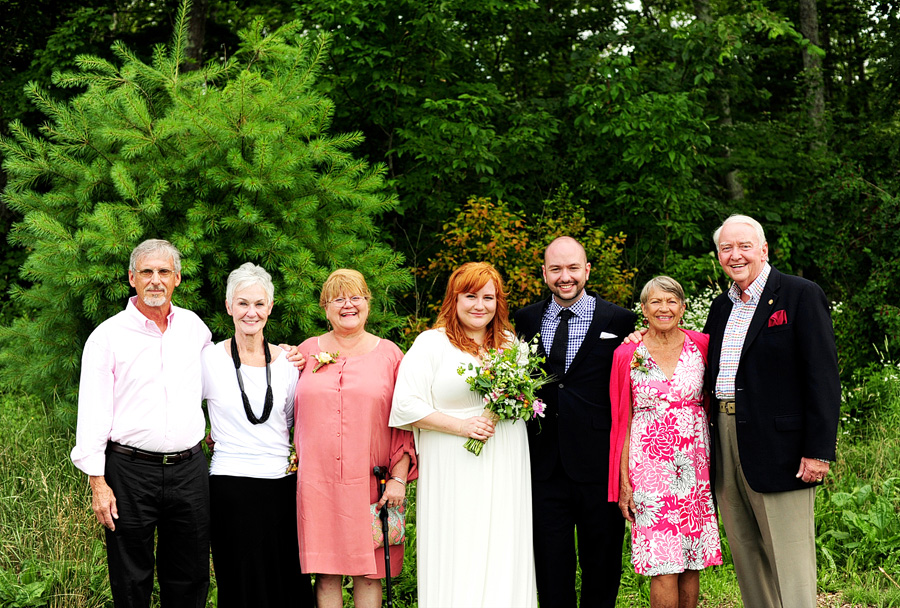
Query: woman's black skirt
(254, 543)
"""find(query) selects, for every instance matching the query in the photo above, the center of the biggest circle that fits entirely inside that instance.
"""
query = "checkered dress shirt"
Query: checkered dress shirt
(736, 332)
(583, 311)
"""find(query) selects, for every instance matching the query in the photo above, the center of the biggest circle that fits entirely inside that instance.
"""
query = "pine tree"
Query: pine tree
(231, 163)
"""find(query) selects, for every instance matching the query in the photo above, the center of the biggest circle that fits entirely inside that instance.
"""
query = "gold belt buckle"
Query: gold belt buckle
(726, 406)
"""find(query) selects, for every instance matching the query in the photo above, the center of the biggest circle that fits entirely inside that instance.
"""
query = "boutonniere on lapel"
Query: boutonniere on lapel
(779, 317)
(639, 363)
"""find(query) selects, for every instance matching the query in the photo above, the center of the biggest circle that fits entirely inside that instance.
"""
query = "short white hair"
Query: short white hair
(246, 275)
(151, 246)
(741, 219)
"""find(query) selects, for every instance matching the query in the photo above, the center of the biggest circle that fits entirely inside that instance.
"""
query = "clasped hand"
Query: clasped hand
(476, 427)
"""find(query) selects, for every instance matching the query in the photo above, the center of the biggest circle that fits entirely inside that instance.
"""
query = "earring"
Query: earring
(645, 322)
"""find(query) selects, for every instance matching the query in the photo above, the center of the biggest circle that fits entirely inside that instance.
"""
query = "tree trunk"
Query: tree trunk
(730, 180)
(196, 34)
(812, 71)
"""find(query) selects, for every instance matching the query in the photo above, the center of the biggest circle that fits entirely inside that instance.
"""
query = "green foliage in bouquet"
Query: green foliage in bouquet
(508, 380)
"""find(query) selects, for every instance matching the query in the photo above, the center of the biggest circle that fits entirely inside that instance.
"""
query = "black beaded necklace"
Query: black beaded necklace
(267, 408)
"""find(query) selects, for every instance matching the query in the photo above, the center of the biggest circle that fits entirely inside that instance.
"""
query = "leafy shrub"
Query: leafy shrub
(858, 528)
(861, 527)
(873, 391)
(486, 230)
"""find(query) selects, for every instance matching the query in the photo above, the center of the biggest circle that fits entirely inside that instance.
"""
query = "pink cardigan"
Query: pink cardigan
(620, 398)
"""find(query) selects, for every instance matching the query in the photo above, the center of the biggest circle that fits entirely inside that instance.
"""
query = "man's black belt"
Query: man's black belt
(157, 457)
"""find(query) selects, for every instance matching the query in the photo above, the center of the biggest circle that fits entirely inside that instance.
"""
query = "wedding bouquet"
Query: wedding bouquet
(508, 380)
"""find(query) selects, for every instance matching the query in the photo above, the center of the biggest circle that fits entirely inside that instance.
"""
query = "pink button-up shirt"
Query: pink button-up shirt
(140, 387)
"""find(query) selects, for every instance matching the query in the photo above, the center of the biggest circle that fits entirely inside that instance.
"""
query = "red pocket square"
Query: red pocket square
(779, 317)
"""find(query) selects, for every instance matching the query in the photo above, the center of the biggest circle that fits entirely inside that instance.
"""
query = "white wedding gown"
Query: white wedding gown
(473, 513)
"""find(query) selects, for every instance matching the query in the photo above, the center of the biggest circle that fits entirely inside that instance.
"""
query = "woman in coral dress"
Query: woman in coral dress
(659, 460)
(341, 433)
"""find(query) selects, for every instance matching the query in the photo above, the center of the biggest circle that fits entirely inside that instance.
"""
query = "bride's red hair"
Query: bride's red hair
(470, 278)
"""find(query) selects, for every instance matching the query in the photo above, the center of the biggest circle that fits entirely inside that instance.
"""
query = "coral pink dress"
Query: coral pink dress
(675, 526)
(341, 432)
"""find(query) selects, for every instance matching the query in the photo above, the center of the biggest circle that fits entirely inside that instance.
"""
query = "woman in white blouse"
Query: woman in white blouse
(473, 513)
(249, 387)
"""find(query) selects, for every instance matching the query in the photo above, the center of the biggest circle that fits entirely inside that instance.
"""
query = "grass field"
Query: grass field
(52, 552)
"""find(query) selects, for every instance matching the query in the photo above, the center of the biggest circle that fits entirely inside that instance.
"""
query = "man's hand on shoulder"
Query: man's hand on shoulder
(635, 336)
(294, 356)
(103, 502)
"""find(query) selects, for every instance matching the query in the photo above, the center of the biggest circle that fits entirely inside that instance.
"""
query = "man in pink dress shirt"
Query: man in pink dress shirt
(139, 430)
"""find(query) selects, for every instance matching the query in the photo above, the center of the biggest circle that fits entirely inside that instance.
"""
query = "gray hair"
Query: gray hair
(741, 219)
(246, 275)
(151, 246)
(665, 284)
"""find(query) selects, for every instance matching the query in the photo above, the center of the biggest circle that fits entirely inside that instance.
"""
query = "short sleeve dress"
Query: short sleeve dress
(341, 433)
(675, 526)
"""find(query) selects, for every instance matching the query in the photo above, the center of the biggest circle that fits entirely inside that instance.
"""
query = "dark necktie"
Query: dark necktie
(560, 342)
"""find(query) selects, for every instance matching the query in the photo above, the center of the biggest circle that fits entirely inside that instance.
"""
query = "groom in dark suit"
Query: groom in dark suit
(774, 372)
(570, 445)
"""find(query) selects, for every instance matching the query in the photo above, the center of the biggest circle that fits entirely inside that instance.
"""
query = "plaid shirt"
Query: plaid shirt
(736, 332)
(583, 311)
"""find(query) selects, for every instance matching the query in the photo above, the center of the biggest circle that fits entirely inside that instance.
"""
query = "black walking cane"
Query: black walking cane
(380, 475)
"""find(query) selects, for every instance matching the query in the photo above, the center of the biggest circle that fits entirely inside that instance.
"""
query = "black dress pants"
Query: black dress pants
(171, 503)
(561, 507)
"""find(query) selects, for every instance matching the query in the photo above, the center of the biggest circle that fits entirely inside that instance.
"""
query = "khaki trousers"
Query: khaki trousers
(772, 536)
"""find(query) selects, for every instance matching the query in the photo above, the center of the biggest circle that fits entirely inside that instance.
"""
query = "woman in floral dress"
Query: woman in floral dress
(659, 460)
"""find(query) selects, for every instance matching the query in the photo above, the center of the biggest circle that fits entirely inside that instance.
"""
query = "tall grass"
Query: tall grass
(52, 551)
(858, 510)
(51, 548)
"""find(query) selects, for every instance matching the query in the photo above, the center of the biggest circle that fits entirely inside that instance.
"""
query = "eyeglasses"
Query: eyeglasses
(355, 300)
(147, 273)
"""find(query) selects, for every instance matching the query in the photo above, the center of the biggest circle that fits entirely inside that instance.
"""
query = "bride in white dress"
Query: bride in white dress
(473, 512)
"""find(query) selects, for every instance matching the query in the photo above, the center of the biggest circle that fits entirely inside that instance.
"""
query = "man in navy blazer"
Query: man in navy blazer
(570, 446)
(774, 375)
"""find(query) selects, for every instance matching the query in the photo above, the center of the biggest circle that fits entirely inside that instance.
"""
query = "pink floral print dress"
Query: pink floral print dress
(675, 527)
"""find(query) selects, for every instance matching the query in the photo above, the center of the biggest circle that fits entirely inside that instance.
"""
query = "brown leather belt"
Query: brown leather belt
(157, 457)
(726, 406)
